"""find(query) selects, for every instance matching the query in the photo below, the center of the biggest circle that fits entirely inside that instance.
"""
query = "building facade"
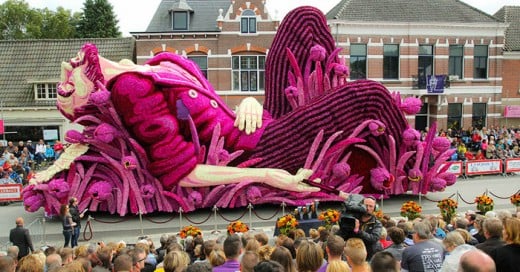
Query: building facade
(229, 40)
(406, 46)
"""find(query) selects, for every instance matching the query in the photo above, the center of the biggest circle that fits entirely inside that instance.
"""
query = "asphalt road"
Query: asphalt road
(105, 227)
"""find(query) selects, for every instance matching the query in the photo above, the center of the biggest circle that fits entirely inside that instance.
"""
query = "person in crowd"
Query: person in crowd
(396, 249)
(356, 254)
(199, 267)
(138, 257)
(49, 153)
(368, 228)
(383, 239)
(470, 226)
(476, 261)
(309, 257)
(176, 261)
(13, 251)
(250, 260)
(455, 246)
(507, 257)
(53, 261)
(268, 266)
(30, 263)
(122, 263)
(232, 250)
(39, 152)
(66, 255)
(422, 249)
(67, 224)
(217, 257)
(338, 266)
(20, 237)
(479, 235)
(58, 149)
(493, 232)
(262, 238)
(76, 218)
(7, 264)
(384, 262)
(334, 249)
(479, 156)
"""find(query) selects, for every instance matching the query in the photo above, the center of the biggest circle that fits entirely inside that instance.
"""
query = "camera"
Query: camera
(353, 208)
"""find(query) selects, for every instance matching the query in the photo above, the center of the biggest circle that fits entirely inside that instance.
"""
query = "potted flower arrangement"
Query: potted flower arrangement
(379, 214)
(330, 217)
(286, 223)
(237, 227)
(484, 203)
(411, 210)
(189, 231)
(515, 199)
(448, 208)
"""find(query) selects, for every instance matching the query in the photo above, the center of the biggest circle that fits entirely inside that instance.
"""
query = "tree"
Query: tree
(59, 24)
(98, 20)
(16, 19)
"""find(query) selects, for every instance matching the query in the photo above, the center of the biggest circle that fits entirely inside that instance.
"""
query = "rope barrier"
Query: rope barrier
(197, 223)
(240, 217)
(267, 218)
(463, 200)
(89, 225)
(160, 222)
(507, 197)
(108, 222)
(431, 200)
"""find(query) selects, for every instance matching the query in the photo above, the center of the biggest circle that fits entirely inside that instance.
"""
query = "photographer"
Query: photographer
(359, 221)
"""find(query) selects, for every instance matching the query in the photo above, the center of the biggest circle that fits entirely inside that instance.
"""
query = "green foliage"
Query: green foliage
(19, 21)
(98, 20)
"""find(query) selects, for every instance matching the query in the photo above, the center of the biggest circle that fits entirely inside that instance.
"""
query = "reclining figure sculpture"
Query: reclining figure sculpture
(157, 137)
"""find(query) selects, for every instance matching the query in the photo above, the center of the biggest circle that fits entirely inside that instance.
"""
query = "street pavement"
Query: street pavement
(106, 227)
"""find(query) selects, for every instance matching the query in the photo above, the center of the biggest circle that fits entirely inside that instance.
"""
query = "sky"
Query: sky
(134, 15)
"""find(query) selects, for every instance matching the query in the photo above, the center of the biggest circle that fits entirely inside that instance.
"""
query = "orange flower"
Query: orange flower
(190, 231)
(237, 226)
(411, 210)
(286, 223)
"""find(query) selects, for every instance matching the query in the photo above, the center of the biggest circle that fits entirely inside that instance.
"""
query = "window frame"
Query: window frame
(391, 63)
(455, 121)
(356, 71)
(245, 78)
(195, 59)
(480, 63)
(248, 23)
(45, 91)
(186, 21)
(456, 60)
(477, 118)
(423, 59)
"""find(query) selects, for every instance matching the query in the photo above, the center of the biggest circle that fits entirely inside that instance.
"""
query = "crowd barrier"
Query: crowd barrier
(484, 167)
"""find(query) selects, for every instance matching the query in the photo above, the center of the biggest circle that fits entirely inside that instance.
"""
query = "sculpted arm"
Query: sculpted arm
(210, 175)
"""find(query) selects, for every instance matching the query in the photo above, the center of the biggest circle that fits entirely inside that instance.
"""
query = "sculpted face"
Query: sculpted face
(74, 88)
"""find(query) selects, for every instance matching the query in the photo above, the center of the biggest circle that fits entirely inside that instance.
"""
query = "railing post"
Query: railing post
(382, 203)
(283, 208)
(44, 233)
(250, 207)
(180, 218)
(215, 230)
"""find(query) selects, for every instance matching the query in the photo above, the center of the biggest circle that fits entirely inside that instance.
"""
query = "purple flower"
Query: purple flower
(253, 194)
(318, 53)
(105, 133)
(381, 179)
(411, 137)
(440, 144)
(411, 105)
(101, 191)
(147, 191)
(376, 128)
(74, 136)
(59, 188)
(129, 162)
(340, 69)
(195, 197)
(341, 170)
(438, 184)
(33, 202)
(414, 175)
(450, 178)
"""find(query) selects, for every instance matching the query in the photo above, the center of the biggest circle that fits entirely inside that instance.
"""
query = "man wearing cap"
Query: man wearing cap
(21, 238)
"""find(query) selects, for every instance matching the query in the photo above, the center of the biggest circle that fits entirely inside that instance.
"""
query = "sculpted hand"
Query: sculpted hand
(282, 179)
(249, 115)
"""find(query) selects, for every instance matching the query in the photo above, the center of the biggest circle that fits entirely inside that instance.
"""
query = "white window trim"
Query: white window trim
(46, 85)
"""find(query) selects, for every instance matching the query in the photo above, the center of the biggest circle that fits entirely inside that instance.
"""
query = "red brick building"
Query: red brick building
(228, 39)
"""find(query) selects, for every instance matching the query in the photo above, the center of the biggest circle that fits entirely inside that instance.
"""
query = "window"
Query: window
(391, 61)
(454, 115)
(180, 20)
(45, 91)
(480, 60)
(358, 61)
(478, 119)
(248, 73)
(202, 62)
(456, 61)
(421, 118)
(425, 65)
(248, 22)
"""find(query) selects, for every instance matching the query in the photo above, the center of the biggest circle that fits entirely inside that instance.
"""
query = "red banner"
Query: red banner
(10, 192)
(2, 126)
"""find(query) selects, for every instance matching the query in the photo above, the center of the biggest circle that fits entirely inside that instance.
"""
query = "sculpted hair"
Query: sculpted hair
(93, 70)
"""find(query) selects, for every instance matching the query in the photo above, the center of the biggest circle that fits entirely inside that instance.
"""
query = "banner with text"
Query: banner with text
(455, 167)
(10, 192)
(512, 165)
(483, 167)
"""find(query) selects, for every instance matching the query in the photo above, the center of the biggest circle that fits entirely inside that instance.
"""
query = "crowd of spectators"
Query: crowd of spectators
(18, 162)
(480, 144)
(470, 242)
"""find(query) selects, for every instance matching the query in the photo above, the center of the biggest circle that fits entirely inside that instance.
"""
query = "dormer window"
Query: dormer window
(180, 20)
(248, 22)
(45, 91)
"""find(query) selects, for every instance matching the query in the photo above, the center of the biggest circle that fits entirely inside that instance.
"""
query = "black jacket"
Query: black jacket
(74, 212)
(370, 233)
(21, 238)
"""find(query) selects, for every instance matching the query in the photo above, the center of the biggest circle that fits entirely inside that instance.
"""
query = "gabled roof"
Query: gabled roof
(203, 15)
(511, 15)
(442, 11)
(25, 62)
